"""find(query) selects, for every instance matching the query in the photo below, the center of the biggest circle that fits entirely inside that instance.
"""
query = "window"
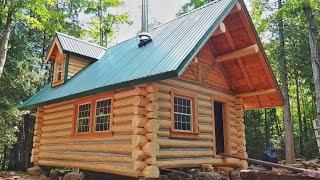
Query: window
(184, 122)
(93, 116)
(83, 118)
(59, 71)
(182, 114)
(102, 119)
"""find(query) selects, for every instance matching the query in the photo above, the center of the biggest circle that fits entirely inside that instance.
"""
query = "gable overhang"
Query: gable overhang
(246, 95)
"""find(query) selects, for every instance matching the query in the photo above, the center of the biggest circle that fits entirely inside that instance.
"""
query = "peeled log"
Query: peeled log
(138, 165)
(151, 160)
(152, 88)
(138, 140)
(138, 154)
(220, 30)
(139, 131)
(152, 107)
(152, 125)
(151, 136)
(238, 53)
(138, 121)
(150, 172)
(151, 148)
(152, 97)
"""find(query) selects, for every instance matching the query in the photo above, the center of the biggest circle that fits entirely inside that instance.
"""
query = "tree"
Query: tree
(285, 92)
(104, 22)
(6, 30)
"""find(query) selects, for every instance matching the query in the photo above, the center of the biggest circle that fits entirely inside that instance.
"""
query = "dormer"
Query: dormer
(69, 55)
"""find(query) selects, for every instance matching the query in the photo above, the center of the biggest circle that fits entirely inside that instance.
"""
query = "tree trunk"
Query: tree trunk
(289, 147)
(314, 55)
(6, 35)
(301, 133)
(266, 129)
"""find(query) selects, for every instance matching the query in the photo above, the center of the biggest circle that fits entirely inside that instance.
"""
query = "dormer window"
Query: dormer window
(59, 71)
(59, 68)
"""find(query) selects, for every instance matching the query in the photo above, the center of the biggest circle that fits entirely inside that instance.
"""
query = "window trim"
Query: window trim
(59, 59)
(92, 100)
(194, 133)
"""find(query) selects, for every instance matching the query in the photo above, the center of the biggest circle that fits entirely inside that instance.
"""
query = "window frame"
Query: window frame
(176, 133)
(92, 100)
(61, 59)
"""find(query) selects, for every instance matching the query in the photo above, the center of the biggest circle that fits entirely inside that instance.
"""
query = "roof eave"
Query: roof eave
(153, 78)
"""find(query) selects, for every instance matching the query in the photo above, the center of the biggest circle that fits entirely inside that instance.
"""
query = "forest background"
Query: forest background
(28, 26)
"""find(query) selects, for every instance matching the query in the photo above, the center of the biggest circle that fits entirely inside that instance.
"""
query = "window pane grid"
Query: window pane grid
(83, 118)
(59, 72)
(102, 119)
(182, 114)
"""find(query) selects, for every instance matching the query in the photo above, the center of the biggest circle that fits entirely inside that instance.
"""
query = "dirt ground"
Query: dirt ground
(17, 176)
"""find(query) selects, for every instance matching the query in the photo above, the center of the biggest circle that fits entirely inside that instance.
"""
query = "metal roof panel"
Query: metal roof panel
(174, 45)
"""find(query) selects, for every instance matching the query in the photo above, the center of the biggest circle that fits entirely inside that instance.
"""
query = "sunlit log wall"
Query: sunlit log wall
(180, 152)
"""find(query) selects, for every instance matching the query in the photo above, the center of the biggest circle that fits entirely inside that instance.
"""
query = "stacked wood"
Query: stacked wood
(37, 136)
(145, 128)
(241, 141)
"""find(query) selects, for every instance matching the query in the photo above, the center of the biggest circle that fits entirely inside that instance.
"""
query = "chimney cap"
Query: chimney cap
(145, 38)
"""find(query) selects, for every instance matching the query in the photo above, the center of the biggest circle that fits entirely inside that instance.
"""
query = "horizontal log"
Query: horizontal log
(139, 131)
(99, 167)
(123, 118)
(164, 96)
(164, 105)
(128, 93)
(164, 124)
(152, 115)
(253, 49)
(56, 134)
(135, 101)
(163, 133)
(122, 128)
(163, 88)
(152, 88)
(151, 136)
(206, 129)
(257, 93)
(184, 154)
(138, 121)
(58, 127)
(68, 139)
(199, 90)
(130, 110)
(58, 115)
(139, 165)
(205, 118)
(184, 143)
(196, 162)
(164, 114)
(152, 96)
(206, 104)
(58, 121)
(151, 160)
(204, 111)
(50, 106)
(58, 108)
(138, 154)
(86, 157)
(138, 140)
(151, 148)
(152, 106)
(111, 148)
(152, 125)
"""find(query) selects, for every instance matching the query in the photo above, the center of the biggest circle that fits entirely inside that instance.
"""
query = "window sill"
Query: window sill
(184, 135)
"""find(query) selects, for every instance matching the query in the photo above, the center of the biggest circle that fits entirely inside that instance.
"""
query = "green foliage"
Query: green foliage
(109, 20)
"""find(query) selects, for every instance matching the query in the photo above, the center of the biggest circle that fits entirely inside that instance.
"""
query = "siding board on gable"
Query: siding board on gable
(75, 65)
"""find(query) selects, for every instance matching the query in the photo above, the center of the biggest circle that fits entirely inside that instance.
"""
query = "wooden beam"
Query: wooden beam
(213, 52)
(256, 93)
(253, 49)
(220, 30)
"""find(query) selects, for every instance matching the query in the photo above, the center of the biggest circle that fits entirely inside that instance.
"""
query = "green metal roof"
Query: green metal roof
(174, 45)
(79, 47)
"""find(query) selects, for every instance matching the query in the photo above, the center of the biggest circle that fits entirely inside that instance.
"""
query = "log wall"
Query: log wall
(180, 152)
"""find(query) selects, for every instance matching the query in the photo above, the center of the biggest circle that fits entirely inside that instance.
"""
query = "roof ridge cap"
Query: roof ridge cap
(81, 40)
(187, 13)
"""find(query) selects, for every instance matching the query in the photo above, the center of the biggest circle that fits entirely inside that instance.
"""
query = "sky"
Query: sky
(160, 11)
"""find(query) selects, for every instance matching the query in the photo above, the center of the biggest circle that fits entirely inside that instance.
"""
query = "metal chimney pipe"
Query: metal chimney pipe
(144, 17)
(144, 36)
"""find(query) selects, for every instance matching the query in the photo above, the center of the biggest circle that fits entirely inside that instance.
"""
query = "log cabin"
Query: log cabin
(172, 97)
